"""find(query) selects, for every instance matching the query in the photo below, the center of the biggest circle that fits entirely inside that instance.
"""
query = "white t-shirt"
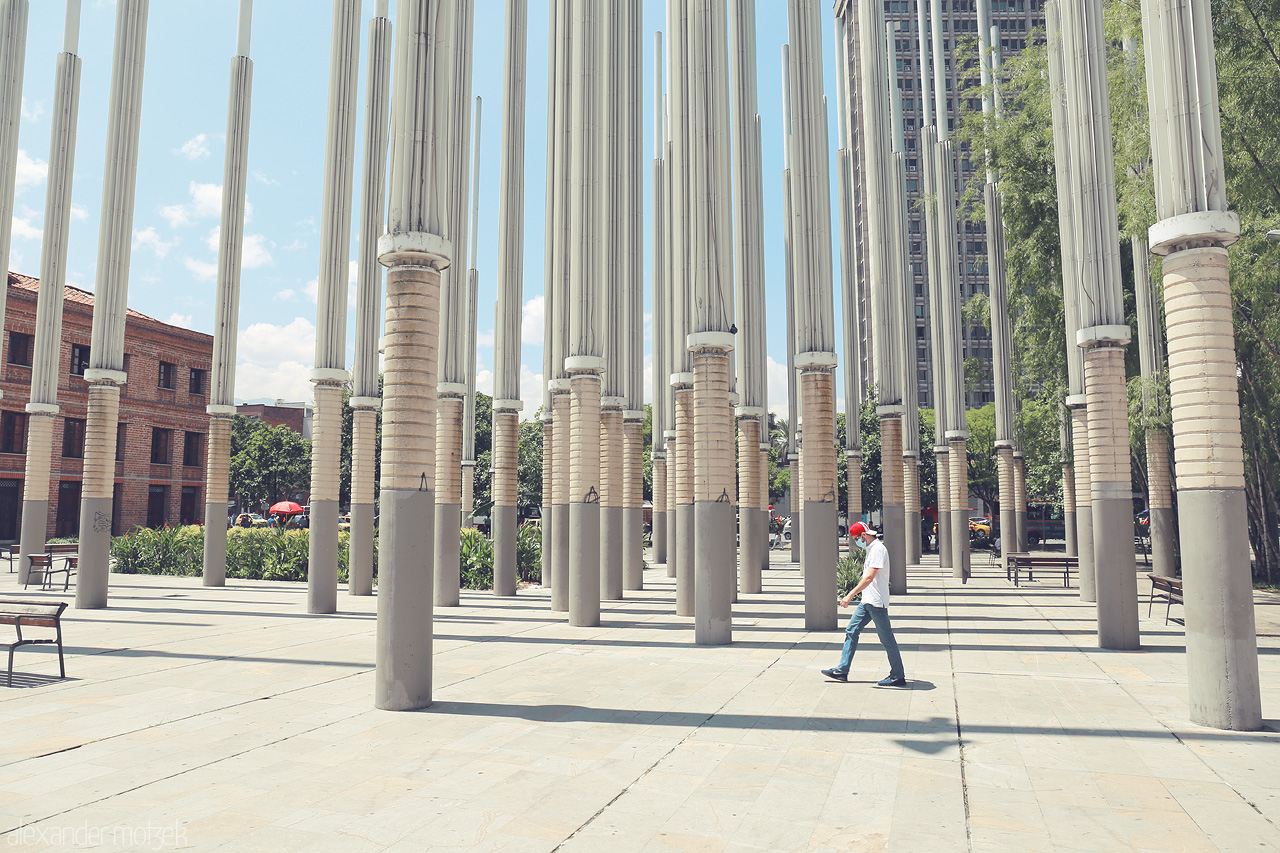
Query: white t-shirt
(877, 592)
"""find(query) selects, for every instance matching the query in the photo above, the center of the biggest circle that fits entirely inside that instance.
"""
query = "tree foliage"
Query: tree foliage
(268, 464)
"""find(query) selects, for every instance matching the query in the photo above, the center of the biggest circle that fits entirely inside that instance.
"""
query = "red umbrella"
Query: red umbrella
(285, 508)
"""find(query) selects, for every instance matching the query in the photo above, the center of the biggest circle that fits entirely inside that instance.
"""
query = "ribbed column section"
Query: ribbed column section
(684, 500)
(364, 438)
(892, 488)
(35, 490)
(750, 502)
(504, 490)
(1084, 502)
(561, 405)
(97, 485)
(326, 465)
(942, 459)
(660, 507)
(548, 505)
(1008, 510)
(911, 507)
(612, 464)
(959, 459)
(217, 491)
(448, 499)
(633, 504)
(1069, 512)
(1020, 500)
(1160, 503)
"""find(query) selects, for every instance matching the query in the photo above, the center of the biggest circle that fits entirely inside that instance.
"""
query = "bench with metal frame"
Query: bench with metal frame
(45, 565)
(10, 553)
(1015, 564)
(33, 614)
(1168, 590)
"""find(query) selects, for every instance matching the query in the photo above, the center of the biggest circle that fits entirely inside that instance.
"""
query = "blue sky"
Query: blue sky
(189, 47)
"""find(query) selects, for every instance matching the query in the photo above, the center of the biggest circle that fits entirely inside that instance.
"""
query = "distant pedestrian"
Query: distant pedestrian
(874, 607)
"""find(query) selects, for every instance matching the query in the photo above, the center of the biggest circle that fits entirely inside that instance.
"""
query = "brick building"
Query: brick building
(295, 416)
(160, 446)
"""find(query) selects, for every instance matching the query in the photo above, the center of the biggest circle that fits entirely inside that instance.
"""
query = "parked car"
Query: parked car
(344, 522)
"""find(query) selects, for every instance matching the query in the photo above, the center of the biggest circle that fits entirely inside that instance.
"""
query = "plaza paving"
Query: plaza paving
(230, 719)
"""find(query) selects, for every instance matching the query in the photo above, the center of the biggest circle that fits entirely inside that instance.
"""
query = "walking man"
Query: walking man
(874, 587)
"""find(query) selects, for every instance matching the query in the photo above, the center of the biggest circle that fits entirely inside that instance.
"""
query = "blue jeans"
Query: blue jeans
(863, 614)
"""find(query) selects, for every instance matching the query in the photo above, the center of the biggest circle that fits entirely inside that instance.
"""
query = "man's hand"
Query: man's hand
(844, 602)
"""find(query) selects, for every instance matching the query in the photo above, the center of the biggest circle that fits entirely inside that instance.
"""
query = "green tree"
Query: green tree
(268, 464)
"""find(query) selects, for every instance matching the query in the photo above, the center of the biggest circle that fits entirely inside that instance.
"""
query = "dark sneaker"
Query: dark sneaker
(835, 675)
(890, 681)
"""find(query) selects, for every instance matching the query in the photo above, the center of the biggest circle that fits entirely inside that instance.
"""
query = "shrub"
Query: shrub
(165, 550)
(849, 570)
(529, 553)
(475, 559)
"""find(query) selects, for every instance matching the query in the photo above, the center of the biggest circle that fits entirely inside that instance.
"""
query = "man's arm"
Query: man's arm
(867, 577)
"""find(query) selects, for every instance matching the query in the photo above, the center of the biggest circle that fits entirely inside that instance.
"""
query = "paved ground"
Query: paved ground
(229, 719)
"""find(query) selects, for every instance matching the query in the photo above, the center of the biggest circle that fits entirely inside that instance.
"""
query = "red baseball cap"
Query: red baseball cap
(858, 529)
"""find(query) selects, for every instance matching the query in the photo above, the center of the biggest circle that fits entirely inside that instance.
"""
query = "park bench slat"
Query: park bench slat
(1017, 562)
(33, 614)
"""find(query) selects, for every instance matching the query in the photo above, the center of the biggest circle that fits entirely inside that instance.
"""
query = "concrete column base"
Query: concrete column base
(548, 547)
(960, 543)
(892, 530)
(1084, 548)
(765, 538)
(35, 521)
(93, 574)
(1069, 529)
(402, 680)
(684, 557)
(749, 544)
(215, 544)
(1117, 578)
(611, 551)
(713, 587)
(659, 538)
(322, 558)
(560, 566)
(1164, 534)
(673, 546)
(818, 562)
(795, 527)
(633, 547)
(1020, 527)
(584, 560)
(1222, 644)
(360, 551)
(448, 560)
(911, 536)
(505, 525)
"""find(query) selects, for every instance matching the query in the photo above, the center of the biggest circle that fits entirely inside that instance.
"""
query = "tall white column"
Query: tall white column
(330, 374)
(509, 312)
(1078, 431)
(366, 397)
(791, 451)
(13, 55)
(46, 361)
(815, 327)
(222, 402)
(1193, 233)
(110, 303)
(632, 285)
(1104, 331)
(452, 388)
(469, 331)
(414, 250)
(661, 533)
(748, 224)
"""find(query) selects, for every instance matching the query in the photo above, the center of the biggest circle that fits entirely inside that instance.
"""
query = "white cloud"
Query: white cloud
(202, 270)
(271, 344)
(79, 212)
(183, 320)
(485, 339)
(530, 391)
(312, 289)
(24, 230)
(261, 177)
(484, 381)
(286, 295)
(147, 237)
(30, 172)
(777, 387)
(531, 321)
(286, 380)
(32, 110)
(206, 202)
(195, 148)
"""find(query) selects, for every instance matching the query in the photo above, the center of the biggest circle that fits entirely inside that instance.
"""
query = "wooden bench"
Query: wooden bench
(1015, 564)
(45, 565)
(1168, 590)
(33, 614)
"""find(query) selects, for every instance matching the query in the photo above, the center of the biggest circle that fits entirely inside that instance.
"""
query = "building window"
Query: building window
(73, 438)
(20, 348)
(122, 433)
(197, 381)
(161, 446)
(191, 446)
(13, 432)
(166, 375)
(157, 506)
(79, 359)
